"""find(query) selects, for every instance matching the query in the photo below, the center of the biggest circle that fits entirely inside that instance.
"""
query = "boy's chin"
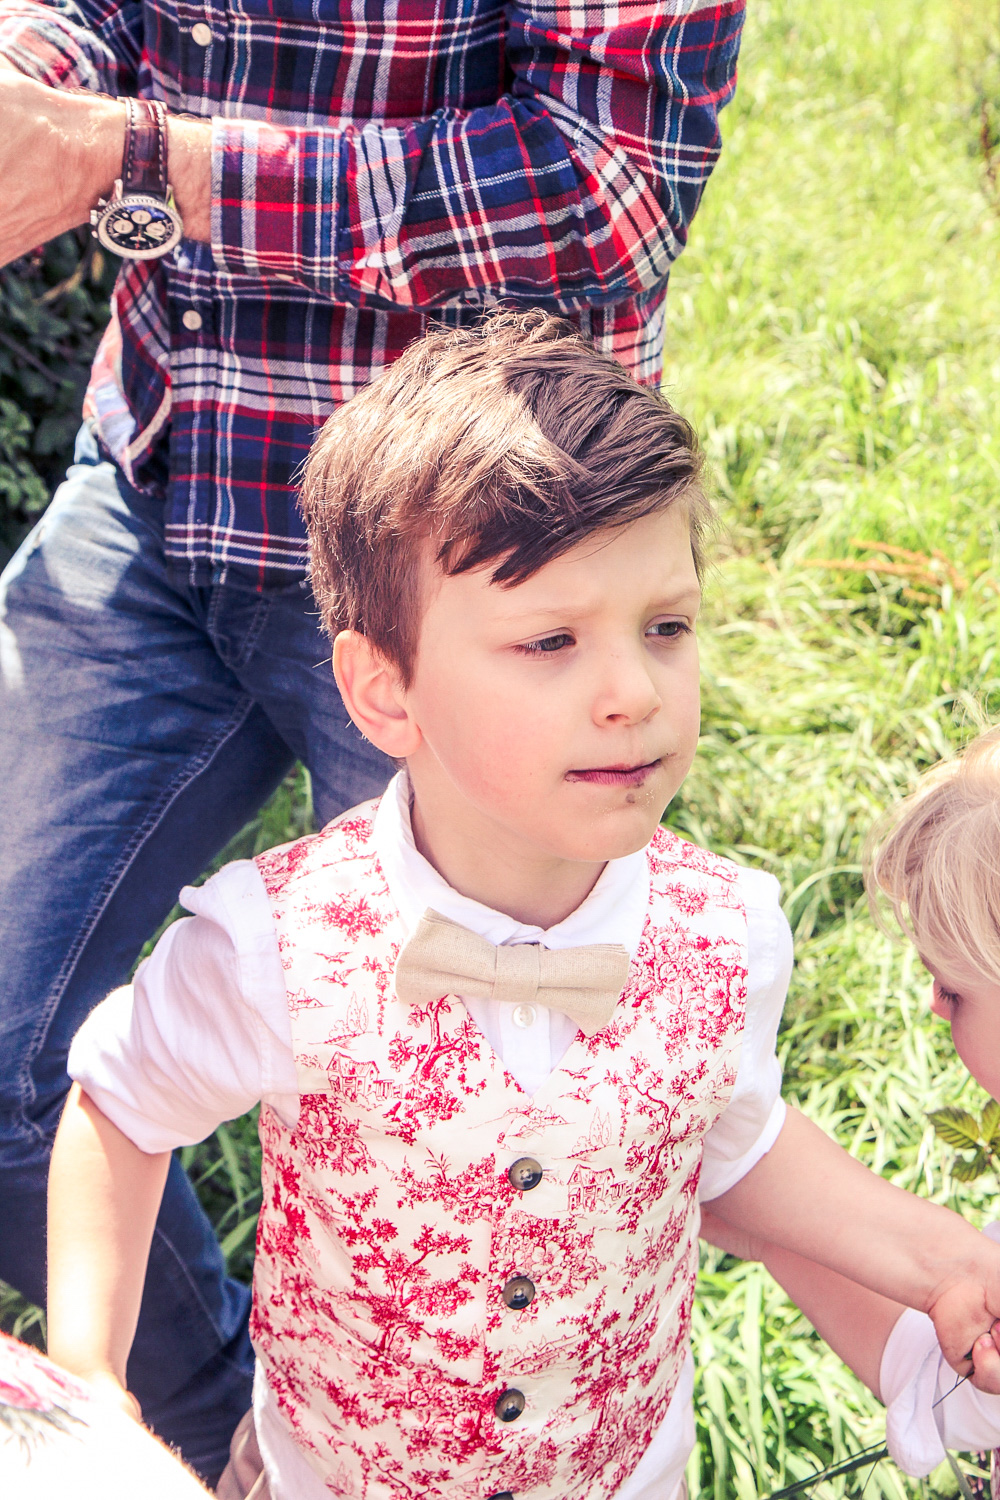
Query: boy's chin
(628, 835)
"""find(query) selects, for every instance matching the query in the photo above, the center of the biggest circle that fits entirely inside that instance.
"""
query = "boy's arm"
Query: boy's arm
(893, 1349)
(104, 1194)
(854, 1321)
(809, 1197)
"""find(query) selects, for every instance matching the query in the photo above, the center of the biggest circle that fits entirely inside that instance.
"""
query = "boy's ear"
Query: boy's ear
(374, 695)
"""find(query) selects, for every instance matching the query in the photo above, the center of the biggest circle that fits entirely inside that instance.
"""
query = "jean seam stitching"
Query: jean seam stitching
(107, 890)
(189, 1280)
(250, 636)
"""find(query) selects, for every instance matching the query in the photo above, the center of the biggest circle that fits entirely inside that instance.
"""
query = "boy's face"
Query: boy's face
(558, 718)
(971, 1005)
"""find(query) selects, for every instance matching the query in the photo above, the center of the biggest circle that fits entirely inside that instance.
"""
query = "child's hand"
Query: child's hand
(986, 1360)
(964, 1319)
(108, 1388)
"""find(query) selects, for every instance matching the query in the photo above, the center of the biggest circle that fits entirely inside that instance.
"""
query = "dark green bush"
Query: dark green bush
(53, 308)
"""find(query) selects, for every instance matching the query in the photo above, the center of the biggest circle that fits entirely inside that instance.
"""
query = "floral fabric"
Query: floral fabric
(390, 1226)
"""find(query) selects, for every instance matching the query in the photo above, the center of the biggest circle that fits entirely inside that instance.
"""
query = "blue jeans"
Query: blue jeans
(142, 723)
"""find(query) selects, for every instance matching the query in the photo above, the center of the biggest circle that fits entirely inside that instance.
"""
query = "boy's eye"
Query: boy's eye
(669, 630)
(547, 644)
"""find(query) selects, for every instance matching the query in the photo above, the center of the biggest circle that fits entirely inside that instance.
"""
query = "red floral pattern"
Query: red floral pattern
(389, 1226)
(37, 1398)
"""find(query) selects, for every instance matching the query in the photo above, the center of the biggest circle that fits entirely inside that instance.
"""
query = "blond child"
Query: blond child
(932, 870)
(934, 865)
(502, 1025)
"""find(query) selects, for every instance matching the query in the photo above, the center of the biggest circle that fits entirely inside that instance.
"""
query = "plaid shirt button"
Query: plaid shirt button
(201, 34)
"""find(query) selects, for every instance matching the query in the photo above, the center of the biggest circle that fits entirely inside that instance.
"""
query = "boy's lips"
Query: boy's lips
(615, 775)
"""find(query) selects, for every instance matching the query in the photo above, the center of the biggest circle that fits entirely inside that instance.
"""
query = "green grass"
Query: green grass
(834, 330)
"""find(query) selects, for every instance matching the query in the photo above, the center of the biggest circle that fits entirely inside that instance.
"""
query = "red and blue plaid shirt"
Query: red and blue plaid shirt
(375, 163)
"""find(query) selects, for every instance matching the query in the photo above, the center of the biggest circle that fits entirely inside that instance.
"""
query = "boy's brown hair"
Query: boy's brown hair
(506, 443)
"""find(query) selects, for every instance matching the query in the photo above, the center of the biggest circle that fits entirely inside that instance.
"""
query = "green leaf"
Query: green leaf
(231, 1157)
(967, 1169)
(956, 1127)
(989, 1123)
(236, 1237)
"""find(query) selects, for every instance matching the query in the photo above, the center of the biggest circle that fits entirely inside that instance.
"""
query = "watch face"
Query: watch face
(140, 227)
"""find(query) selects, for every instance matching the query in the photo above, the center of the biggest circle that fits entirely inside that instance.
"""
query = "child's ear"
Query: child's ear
(374, 695)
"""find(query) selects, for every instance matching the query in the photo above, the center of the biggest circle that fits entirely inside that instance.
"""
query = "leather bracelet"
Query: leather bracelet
(140, 219)
(144, 162)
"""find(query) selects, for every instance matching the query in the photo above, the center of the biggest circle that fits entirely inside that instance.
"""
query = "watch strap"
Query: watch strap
(144, 164)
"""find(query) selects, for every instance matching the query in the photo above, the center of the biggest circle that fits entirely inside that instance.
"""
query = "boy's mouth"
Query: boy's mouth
(615, 775)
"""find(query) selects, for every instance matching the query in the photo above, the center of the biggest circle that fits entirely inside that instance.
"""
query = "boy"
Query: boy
(477, 1245)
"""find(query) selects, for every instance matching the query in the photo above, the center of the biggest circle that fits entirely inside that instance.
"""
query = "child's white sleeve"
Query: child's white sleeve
(913, 1377)
(202, 1034)
(751, 1122)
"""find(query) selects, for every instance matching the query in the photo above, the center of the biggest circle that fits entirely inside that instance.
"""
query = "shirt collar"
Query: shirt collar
(613, 912)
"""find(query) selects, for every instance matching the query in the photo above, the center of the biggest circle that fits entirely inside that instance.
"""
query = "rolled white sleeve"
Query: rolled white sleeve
(752, 1120)
(926, 1412)
(202, 1034)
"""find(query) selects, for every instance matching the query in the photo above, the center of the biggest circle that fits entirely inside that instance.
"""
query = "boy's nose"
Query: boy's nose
(628, 694)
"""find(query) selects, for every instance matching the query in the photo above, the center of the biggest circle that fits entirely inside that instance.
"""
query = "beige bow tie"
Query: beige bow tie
(443, 958)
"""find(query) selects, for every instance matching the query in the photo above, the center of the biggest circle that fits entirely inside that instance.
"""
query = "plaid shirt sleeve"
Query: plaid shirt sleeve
(575, 189)
(90, 44)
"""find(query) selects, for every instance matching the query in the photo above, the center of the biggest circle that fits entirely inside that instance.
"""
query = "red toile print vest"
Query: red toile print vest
(433, 1319)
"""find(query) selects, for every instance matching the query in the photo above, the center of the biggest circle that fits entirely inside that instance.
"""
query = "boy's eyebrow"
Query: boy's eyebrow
(674, 602)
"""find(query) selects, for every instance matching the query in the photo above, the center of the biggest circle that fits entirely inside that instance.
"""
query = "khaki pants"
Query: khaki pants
(243, 1478)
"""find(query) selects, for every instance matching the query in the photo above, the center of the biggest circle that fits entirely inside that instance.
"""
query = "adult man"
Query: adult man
(352, 167)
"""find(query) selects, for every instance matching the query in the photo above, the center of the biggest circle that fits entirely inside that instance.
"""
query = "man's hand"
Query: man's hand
(986, 1362)
(61, 150)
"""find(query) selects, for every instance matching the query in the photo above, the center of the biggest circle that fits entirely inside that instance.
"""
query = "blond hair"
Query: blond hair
(933, 862)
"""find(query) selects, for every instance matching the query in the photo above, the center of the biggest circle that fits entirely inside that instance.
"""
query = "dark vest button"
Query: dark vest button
(510, 1406)
(525, 1174)
(518, 1292)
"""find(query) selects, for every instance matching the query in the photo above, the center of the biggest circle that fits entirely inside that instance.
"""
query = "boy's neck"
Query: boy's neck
(478, 860)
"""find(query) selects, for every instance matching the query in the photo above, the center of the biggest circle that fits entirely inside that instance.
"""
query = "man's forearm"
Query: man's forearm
(854, 1321)
(104, 1194)
(189, 155)
(72, 143)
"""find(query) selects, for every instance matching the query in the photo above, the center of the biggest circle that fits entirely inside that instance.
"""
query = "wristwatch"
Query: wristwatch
(140, 220)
